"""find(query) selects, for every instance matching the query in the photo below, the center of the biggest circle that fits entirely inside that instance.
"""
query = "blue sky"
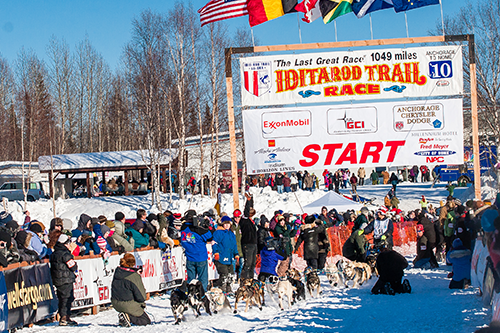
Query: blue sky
(31, 23)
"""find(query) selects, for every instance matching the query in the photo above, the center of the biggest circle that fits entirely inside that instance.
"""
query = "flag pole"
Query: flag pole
(253, 40)
(300, 33)
(335, 25)
(442, 19)
(406, 22)
(371, 26)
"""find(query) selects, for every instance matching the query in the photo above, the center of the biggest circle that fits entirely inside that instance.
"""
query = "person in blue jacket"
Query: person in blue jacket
(225, 252)
(194, 240)
(460, 259)
(269, 259)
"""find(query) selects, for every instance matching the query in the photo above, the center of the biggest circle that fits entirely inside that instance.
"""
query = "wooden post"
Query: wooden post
(347, 44)
(232, 135)
(125, 181)
(89, 193)
(475, 125)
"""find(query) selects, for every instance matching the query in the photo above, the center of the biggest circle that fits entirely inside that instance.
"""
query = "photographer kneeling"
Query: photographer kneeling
(128, 294)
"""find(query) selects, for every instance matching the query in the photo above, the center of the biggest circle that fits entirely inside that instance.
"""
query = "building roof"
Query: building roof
(103, 161)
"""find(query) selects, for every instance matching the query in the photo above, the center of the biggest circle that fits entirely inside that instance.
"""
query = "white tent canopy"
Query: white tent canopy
(332, 200)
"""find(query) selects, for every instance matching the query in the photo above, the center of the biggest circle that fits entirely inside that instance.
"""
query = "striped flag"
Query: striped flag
(218, 10)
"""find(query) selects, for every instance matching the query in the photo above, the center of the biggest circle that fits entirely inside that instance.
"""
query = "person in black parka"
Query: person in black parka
(309, 235)
(62, 269)
(390, 266)
(128, 294)
(430, 235)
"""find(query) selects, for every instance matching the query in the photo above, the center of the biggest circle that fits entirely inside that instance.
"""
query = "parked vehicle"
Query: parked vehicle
(13, 190)
(464, 173)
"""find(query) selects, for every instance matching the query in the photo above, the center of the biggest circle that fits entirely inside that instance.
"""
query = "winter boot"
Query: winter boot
(388, 289)
(124, 320)
(406, 286)
(63, 322)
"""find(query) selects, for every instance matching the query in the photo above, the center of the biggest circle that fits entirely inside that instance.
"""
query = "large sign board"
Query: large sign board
(351, 75)
(346, 136)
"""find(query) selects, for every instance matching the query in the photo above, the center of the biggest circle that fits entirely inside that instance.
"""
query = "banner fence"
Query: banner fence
(28, 296)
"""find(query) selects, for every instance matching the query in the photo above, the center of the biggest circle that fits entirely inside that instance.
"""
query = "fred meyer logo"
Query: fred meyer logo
(285, 124)
(352, 120)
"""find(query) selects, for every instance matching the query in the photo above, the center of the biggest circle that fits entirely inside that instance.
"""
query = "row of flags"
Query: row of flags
(260, 11)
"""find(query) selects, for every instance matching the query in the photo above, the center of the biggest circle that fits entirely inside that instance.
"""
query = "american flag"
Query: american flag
(217, 10)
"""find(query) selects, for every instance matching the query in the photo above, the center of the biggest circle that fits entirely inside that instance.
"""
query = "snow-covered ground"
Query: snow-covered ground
(431, 307)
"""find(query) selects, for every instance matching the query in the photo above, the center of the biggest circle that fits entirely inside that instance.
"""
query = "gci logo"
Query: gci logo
(355, 124)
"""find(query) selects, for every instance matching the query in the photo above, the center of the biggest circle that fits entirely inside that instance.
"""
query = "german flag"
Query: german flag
(331, 9)
(260, 11)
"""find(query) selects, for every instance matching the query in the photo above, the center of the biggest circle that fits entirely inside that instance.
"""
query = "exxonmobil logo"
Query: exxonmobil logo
(286, 123)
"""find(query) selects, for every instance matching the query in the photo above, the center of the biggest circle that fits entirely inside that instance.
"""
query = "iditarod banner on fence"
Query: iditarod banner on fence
(344, 136)
(351, 75)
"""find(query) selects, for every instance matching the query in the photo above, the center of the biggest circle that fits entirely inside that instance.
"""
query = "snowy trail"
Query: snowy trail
(431, 307)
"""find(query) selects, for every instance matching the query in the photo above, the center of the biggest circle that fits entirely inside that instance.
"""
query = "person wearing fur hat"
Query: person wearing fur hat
(128, 294)
(37, 243)
(225, 253)
(309, 235)
(460, 259)
(62, 269)
(382, 228)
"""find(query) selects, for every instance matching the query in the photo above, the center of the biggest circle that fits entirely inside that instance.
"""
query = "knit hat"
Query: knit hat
(128, 260)
(456, 243)
(420, 227)
(36, 228)
(63, 239)
(177, 222)
(177, 216)
(5, 217)
(102, 219)
(383, 210)
(22, 239)
(105, 229)
(5, 237)
(237, 213)
(101, 242)
(225, 219)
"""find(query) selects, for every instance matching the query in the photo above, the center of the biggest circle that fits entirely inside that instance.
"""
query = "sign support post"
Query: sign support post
(361, 43)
